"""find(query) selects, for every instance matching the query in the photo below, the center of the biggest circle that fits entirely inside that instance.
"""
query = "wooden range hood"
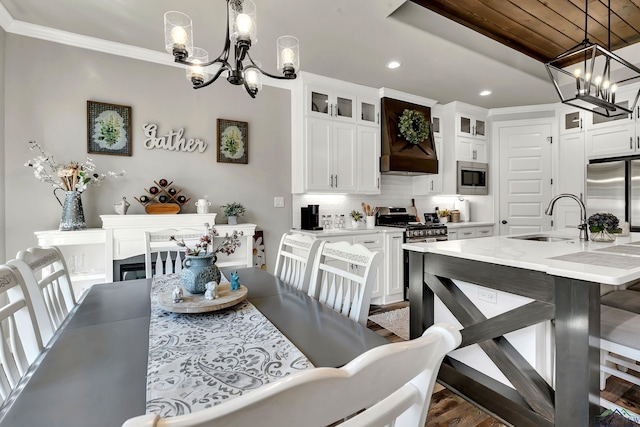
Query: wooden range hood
(399, 157)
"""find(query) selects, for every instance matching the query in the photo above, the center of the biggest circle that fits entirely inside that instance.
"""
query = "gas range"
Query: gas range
(414, 231)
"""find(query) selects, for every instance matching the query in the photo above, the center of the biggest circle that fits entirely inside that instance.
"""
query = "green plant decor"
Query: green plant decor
(234, 209)
(356, 215)
(413, 126)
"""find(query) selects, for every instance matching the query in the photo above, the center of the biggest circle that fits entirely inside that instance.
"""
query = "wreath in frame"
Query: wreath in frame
(413, 126)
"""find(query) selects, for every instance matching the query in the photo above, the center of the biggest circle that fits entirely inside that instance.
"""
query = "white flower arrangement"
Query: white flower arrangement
(72, 176)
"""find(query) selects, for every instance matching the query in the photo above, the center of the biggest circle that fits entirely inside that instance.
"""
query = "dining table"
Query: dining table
(94, 370)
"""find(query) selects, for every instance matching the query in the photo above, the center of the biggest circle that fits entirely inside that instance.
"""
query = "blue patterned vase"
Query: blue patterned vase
(197, 271)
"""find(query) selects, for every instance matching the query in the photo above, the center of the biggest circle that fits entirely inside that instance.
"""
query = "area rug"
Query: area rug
(396, 321)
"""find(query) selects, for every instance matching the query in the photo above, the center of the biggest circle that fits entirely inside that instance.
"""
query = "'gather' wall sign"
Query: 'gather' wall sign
(172, 141)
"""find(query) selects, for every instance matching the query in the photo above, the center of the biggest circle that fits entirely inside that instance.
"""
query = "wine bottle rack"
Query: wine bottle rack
(162, 198)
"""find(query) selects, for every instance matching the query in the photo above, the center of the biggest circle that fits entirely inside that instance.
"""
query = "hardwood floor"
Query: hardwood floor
(448, 410)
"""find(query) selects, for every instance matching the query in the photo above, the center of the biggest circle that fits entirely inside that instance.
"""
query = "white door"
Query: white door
(525, 178)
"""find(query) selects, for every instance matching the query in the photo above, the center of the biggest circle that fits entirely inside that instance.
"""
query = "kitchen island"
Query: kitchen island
(560, 281)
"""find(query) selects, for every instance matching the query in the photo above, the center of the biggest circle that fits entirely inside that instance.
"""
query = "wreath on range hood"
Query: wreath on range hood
(413, 126)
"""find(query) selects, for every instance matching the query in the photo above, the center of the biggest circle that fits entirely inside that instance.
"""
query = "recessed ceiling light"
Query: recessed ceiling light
(393, 64)
(485, 93)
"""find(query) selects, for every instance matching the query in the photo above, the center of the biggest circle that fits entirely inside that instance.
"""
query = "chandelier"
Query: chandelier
(588, 76)
(240, 69)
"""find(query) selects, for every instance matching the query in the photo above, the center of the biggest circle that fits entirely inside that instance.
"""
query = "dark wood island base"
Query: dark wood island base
(572, 305)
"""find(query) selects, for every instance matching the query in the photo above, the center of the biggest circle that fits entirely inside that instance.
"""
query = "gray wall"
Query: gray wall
(2, 149)
(47, 86)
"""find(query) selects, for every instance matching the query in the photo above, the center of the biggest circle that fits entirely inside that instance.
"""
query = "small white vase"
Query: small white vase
(232, 220)
(371, 221)
(354, 223)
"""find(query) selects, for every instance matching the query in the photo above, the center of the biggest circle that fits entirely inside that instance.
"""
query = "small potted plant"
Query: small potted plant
(356, 217)
(232, 211)
(603, 226)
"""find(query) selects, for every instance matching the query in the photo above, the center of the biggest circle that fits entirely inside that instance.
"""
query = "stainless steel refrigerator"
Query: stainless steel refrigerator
(614, 187)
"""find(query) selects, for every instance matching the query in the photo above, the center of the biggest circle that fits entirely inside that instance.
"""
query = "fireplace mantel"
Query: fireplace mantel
(122, 236)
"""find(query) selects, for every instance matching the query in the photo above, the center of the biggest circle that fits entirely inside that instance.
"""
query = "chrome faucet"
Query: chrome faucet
(583, 213)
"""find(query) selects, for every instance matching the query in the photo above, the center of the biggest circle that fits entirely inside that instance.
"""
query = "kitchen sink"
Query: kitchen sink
(542, 238)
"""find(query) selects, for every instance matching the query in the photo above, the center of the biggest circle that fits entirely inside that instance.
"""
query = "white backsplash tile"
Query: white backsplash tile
(396, 191)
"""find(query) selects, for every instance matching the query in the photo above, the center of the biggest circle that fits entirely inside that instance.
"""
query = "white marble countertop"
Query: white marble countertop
(331, 232)
(613, 263)
(468, 224)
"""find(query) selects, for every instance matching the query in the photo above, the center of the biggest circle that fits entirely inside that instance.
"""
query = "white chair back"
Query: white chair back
(343, 277)
(390, 384)
(54, 284)
(295, 259)
(163, 253)
(20, 340)
(619, 349)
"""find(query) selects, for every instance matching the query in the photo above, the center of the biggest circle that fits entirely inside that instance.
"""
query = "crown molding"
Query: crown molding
(5, 17)
(26, 29)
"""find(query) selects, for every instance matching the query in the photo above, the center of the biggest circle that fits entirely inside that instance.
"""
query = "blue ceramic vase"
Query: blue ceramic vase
(197, 271)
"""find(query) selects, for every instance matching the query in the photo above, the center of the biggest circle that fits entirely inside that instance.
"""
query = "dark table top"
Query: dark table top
(94, 371)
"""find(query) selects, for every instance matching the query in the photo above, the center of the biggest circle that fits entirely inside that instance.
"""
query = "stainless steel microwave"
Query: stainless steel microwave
(473, 178)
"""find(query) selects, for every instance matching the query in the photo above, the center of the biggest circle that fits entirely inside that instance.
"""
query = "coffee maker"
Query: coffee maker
(310, 217)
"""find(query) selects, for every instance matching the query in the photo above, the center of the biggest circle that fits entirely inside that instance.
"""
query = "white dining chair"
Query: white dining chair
(393, 382)
(295, 259)
(343, 276)
(619, 348)
(163, 255)
(20, 339)
(48, 266)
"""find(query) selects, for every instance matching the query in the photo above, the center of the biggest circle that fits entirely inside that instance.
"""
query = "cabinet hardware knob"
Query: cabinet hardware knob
(504, 221)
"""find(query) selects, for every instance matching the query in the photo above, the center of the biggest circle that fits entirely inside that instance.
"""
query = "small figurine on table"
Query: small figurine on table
(177, 294)
(212, 290)
(235, 281)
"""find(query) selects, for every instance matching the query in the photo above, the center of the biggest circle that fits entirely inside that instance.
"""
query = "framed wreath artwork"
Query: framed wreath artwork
(233, 141)
(108, 129)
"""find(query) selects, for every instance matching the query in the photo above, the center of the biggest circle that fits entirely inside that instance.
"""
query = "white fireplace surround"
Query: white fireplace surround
(122, 236)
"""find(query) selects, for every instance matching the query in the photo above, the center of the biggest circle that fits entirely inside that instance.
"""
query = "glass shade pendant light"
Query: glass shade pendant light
(239, 68)
(588, 76)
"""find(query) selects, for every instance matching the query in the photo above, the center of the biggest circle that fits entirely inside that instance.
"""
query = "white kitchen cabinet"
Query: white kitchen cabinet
(394, 267)
(572, 121)
(571, 179)
(619, 140)
(368, 155)
(326, 103)
(612, 137)
(472, 150)
(332, 155)
(335, 137)
(424, 185)
(368, 111)
(471, 125)
(459, 143)
(469, 232)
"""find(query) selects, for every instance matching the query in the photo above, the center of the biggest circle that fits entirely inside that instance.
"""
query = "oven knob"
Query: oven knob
(422, 233)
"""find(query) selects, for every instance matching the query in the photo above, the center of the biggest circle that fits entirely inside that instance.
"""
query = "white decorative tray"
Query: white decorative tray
(199, 304)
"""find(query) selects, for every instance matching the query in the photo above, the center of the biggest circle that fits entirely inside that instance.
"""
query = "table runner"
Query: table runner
(200, 360)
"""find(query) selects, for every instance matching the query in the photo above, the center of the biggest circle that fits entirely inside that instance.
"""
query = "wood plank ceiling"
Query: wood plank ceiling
(543, 29)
